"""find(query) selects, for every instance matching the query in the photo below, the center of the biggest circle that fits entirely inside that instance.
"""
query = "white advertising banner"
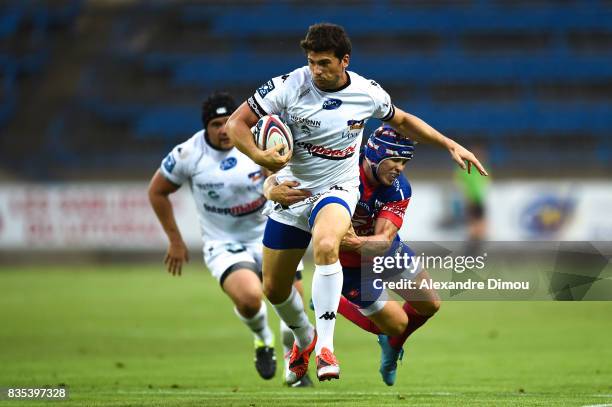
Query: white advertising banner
(118, 216)
(515, 211)
(88, 216)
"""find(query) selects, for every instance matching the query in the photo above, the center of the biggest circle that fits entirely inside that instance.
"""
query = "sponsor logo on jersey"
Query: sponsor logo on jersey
(266, 88)
(228, 163)
(331, 104)
(373, 83)
(213, 194)
(304, 93)
(210, 185)
(327, 153)
(285, 76)
(354, 129)
(355, 124)
(305, 121)
(169, 162)
(239, 210)
(305, 130)
(397, 208)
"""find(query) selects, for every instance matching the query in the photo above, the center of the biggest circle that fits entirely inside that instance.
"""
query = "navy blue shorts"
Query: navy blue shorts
(279, 236)
(352, 288)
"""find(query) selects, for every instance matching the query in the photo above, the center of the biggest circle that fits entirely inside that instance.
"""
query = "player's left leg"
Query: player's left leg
(330, 221)
(284, 247)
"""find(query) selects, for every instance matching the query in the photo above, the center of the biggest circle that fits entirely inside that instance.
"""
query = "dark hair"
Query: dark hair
(324, 37)
(218, 104)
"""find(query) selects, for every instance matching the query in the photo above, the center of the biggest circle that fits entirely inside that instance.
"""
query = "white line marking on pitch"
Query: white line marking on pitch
(273, 393)
(598, 405)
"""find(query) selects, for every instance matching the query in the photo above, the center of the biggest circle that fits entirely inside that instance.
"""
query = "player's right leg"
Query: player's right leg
(284, 247)
(287, 335)
(243, 287)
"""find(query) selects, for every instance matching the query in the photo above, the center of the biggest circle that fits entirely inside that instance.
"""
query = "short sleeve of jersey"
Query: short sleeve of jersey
(178, 164)
(396, 200)
(383, 108)
(274, 96)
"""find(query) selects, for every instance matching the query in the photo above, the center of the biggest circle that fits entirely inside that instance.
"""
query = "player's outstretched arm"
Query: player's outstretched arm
(406, 123)
(238, 128)
(159, 190)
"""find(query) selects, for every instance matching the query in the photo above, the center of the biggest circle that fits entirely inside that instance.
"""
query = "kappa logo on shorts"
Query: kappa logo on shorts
(228, 163)
(266, 88)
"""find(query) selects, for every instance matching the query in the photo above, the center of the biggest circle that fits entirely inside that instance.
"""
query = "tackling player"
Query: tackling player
(326, 107)
(385, 194)
(227, 188)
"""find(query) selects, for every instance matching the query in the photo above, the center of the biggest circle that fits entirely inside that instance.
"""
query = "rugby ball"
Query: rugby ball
(270, 131)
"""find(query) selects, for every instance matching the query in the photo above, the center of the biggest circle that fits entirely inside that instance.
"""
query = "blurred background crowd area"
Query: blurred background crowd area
(102, 89)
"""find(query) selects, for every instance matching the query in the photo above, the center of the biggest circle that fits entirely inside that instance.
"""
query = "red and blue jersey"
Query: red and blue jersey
(388, 202)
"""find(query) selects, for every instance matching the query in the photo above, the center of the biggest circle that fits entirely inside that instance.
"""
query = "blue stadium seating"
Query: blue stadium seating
(10, 19)
(190, 70)
(392, 21)
(450, 59)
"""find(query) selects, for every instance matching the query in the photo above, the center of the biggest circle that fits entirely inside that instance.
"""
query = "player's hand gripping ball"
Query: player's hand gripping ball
(270, 131)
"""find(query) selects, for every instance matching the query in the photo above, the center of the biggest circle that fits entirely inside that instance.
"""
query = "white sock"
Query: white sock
(291, 311)
(286, 336)
(258, 324)
(326, 291)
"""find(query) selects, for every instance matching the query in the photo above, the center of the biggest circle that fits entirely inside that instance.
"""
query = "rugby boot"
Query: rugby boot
(265, 360)
(327, 366)
(388, 360)
(298, 361)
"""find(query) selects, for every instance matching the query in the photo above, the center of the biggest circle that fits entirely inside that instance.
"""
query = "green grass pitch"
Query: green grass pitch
(134, 336)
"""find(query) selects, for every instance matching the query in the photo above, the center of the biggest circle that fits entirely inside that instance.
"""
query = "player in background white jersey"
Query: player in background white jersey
(326, 107)
(226, 186)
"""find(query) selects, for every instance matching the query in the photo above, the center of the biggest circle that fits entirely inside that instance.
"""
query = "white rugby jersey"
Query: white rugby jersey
(327, 127)
(227, 187)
